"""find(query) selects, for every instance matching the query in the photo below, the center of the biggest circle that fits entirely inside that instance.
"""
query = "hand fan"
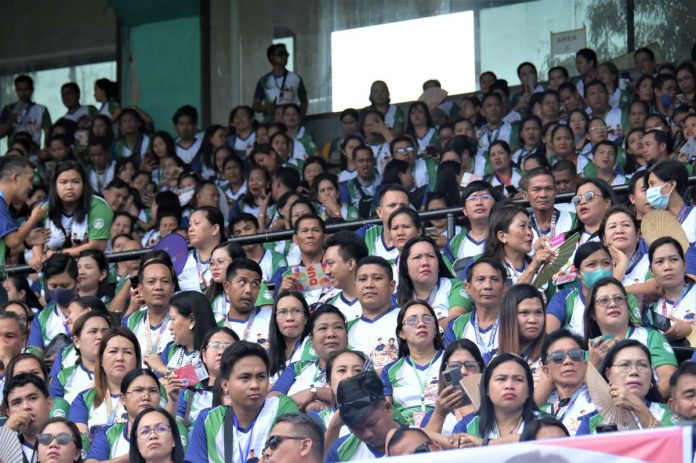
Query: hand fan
(563, 253)
(10, 448)
(601, 397)
(471, 384)
(175, 245)
(656, 224)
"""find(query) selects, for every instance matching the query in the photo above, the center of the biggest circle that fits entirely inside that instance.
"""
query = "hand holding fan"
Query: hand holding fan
(563, 253)
(601, 397)
(471, 384)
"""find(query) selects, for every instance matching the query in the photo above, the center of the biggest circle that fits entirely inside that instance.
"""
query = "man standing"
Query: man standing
(24, 114)
(15, 184)
(280, 86)
(81, 114)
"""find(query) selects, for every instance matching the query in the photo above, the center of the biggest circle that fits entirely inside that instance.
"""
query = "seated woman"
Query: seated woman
(410, 382)
(206, 230)
(530, 139)
(404, 223)
(18, 289)
(305, 382)
(593, 197)
(88, 331)
(438, 227)
(341, 365)
(606, 321)
(507, 405)
(452, 403)
(67, 447)
(220, 259)
(677, 306)
(193, 399)
(190, 320)
(257, 199)
(160, 424)
(522, 316)
(628, 369)
(579, 122)
(633, 147)
(325, 192)
(510, 241)
(288, 333)
(666, 187)
(94, 408)
(423, 274)
(420, 126)
(139, 391)
(505, 175)
(93, 276)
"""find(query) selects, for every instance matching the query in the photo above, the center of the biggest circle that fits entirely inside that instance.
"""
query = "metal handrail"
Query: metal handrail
(448, 213)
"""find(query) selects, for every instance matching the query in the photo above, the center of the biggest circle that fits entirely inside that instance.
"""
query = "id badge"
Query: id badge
(288, 94)
(418, 418)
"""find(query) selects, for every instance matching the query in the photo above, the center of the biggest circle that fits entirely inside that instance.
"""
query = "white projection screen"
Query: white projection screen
(404, 54)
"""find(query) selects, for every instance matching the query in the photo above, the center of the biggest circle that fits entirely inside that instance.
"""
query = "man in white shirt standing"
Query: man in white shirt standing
(280, 86)
(24, 114)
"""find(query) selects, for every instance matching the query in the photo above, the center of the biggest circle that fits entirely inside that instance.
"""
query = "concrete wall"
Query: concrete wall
(41, 34)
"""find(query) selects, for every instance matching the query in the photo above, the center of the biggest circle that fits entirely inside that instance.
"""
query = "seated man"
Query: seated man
(342, 253)
(563, 360)
(368, 415)
(27, 403)
(410, 441)
(682, 392)
(241, 285)
(295, 438)
(246, 423)
(246, 224)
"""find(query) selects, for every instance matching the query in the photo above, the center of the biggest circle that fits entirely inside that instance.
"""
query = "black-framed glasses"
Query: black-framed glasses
(423, 448)
(469, 365)
(587, 196)
(274, 441)
(62, 438)
(159, 429)
(559, 356)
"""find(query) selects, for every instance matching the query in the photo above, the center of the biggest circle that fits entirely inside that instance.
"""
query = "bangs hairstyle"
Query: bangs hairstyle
(618, 209)
(238, 351)
(509, 340)
(334, 355)
(404, 350)
(277, 353)
(415, 217)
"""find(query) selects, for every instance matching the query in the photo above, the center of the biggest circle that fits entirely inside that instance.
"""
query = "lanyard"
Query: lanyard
(148, 335)
(479, 338)
(513, 272)
(190, 359)
(552, 228)
(492, 135)
(247, 328)
(567, 407)
(421, 383)
(497, 431)
(685, 290)
(201, 268)
(683, 213)
(633, 261)
(243, 454)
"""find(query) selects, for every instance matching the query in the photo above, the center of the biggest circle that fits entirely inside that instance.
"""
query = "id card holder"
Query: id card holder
(418, 418)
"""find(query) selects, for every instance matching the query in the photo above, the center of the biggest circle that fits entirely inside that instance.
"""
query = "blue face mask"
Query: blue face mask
(61, 296)
(656, 199)
(591, 278)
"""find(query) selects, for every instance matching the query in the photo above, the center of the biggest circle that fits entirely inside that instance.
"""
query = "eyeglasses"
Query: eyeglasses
(469, 365)
(142, 392)
(408, 150)
(423, 448)
(559, 356)
(62, 438)
(295, 311)
(414, 320)
(605, 301)
(159, 429)
(588, 196)
(219, 262)
(215, 345)
(274, 441)
(483, 197)
(597, 129)
(625, 367)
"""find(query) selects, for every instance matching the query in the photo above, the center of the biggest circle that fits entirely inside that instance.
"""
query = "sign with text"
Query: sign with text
(566, 42)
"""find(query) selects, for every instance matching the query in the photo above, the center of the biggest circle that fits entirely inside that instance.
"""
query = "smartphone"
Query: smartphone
(511, 189)
(660, 322)
(431, 230)
(135, 280)
(602, 428)
(452, 377)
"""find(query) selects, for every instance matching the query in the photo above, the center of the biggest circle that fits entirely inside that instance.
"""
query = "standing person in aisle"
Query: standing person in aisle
(24, 115)
(280, 86)
(15, 185)
(189, 140)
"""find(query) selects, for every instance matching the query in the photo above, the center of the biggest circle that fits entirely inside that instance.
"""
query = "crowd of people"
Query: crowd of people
(416, 341)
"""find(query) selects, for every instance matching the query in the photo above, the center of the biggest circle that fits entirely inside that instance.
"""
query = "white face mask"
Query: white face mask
(185, 195)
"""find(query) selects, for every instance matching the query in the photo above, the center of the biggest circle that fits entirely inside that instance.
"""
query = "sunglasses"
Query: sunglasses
(62, 438)
(274, 441)
(559, 356)
(587, 196)
(423, 448)
(357, 404)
